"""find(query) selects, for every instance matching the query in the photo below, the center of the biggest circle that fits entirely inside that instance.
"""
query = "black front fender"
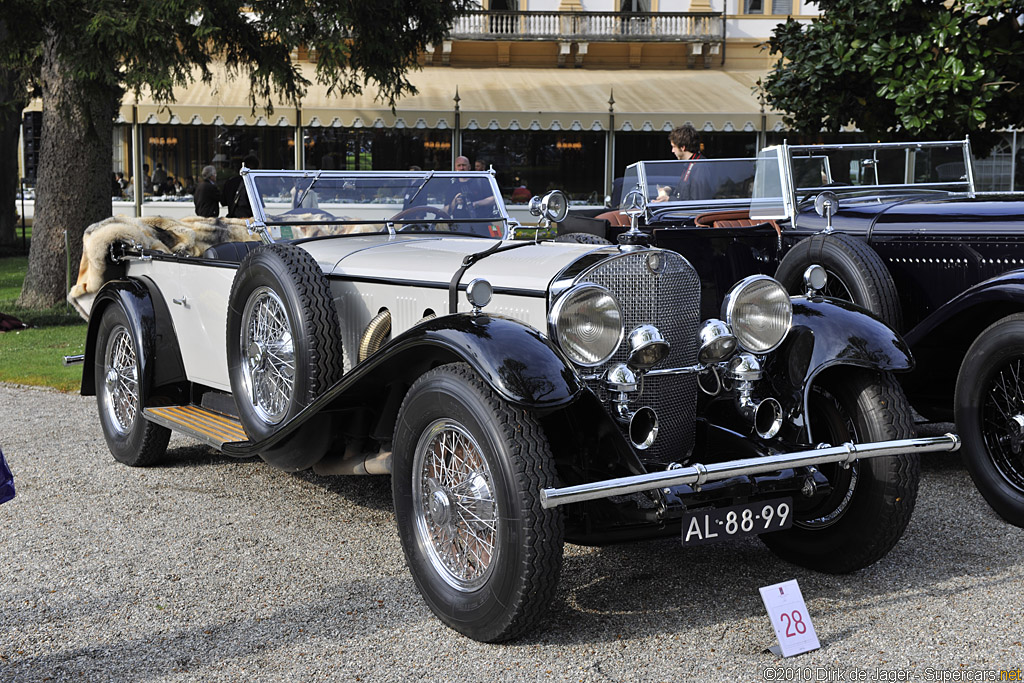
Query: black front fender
(517, 362)
(830, 332)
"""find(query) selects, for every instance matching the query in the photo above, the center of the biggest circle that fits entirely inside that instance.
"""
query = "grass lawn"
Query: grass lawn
(33, 356)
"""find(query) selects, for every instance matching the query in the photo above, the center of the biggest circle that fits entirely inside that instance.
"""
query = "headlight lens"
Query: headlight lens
(586, 322)
(759, 312)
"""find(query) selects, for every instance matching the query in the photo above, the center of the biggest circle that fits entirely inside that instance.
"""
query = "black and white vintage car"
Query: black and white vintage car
(901, 230)
(520, 393)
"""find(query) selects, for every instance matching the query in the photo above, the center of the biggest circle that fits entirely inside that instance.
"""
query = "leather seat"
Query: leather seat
(230, 251)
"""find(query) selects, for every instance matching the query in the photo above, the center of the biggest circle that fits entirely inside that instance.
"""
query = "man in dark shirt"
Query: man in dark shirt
(234, 196)
(207, 196)
(693, 181)
(469, 197)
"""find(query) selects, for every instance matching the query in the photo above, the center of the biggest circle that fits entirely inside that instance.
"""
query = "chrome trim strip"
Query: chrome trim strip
(699, 474)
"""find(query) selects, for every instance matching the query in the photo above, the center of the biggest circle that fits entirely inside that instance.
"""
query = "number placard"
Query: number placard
(790, 619)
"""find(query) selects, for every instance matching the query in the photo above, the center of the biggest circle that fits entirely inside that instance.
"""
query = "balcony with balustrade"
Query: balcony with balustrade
(583, 39)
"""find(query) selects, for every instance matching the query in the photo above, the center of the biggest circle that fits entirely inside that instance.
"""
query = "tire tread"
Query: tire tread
(534, 469)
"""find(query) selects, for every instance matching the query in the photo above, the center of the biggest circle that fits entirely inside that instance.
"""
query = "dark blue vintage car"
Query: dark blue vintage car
(901, 231)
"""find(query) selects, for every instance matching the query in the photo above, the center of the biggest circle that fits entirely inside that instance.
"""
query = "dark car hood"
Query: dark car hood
(918, 213)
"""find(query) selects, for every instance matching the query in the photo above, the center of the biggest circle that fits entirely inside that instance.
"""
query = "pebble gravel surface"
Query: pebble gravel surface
(205, 568)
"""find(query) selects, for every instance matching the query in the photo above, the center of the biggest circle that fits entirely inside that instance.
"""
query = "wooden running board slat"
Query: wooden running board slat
(213, 428)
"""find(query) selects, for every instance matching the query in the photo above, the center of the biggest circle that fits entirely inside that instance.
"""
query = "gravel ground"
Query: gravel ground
(211, 569)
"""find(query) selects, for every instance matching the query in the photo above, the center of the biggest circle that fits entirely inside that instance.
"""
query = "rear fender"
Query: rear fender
(159, 357)
(940, 341)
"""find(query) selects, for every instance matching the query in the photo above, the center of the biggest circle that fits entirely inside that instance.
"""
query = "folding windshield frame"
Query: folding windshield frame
(638, 170)
(262, 220)
(788, 152)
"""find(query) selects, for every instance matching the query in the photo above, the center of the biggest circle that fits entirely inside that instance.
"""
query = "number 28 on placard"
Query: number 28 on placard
(793, 623)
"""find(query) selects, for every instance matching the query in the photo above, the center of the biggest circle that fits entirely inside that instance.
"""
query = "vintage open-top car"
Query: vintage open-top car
(520, 393)
(900, 230)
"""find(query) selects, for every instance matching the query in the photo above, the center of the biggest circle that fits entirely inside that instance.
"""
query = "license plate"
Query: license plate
(702, 526)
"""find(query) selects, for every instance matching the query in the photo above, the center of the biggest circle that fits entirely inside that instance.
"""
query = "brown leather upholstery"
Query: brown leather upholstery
(616, 218)
(737, 218)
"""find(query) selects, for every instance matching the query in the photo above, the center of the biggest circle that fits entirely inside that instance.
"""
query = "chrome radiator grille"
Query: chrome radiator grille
(669, 300)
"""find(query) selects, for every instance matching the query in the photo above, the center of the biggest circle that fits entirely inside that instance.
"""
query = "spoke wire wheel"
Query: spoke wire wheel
(456, 515)
(269, 353)
(1002, 421)
(830, 423)
(837, 288)
(120, 383)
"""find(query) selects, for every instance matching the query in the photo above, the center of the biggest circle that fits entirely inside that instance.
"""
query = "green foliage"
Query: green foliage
(155, 44)
(902, 68)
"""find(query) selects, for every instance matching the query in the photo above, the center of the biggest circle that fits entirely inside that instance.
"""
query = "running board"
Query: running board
(215, 429)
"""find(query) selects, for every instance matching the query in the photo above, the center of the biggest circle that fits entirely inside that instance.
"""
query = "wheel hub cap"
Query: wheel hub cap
(440, 507)
(1016, 433)
(256, 354)
(111, 380)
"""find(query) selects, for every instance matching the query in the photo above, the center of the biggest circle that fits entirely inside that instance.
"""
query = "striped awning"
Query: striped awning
(488, 98)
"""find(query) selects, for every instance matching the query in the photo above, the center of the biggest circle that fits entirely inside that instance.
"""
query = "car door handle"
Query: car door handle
(183, 301)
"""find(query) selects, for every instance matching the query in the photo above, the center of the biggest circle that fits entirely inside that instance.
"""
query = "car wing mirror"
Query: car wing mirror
(826, 204)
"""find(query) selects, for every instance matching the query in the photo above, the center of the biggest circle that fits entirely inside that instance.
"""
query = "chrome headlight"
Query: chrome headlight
(759, 312)
(586, 322)
(553, 206)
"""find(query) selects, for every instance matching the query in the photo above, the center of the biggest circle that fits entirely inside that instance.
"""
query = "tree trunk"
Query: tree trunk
(10, 126)
(73, 183)
(12, 101)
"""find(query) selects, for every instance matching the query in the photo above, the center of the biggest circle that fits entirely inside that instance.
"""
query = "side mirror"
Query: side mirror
(826, 204)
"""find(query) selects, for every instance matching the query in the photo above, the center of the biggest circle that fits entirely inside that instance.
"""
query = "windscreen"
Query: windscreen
(301, 204)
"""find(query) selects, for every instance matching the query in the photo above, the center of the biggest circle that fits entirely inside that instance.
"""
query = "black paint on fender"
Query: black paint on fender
(516, 361)
(831, 332)
(155, 339)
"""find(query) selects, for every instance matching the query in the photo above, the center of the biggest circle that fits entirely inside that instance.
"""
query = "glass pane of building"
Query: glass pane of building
(533, 162)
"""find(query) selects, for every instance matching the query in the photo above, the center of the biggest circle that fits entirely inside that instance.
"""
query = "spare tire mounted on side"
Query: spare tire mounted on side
(283, 339)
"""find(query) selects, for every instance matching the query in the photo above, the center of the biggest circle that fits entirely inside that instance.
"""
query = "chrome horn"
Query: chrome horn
(764, 414)
(642, 423)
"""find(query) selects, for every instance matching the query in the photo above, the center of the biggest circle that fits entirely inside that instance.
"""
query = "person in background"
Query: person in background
(159, 179)
(469, 197)
(116, 188)
(234, 196)
(167, 189)
(480, 165)
(521, 193)
(686, 146)
(207, 196)
(190, 185)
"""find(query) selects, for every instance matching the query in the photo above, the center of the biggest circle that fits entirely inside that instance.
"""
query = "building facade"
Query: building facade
(549, 93)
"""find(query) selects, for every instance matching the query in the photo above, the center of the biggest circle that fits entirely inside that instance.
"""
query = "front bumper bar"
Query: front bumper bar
(698, 474)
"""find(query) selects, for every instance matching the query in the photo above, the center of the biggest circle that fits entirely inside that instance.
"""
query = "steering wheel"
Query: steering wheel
(426, 211)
